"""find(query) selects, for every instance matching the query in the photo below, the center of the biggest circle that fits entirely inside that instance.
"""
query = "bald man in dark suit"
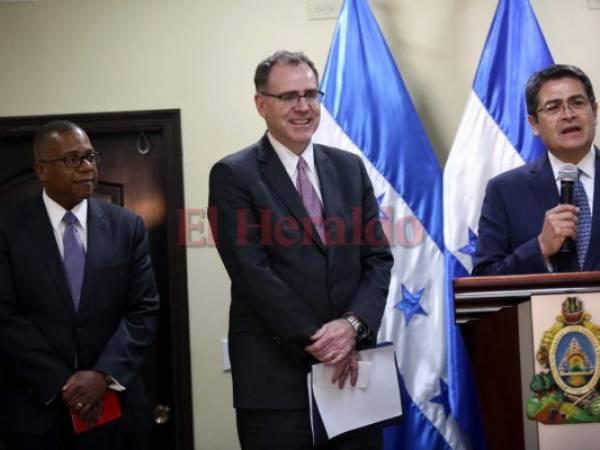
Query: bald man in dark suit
(78, 305)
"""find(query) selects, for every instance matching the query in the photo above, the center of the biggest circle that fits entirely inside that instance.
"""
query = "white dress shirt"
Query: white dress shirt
(588, 171)
(290, 161)
(56, 214)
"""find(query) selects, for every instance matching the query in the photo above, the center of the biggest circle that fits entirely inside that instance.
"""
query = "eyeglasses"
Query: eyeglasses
(575, 104)
(74, 161)
(291, 98)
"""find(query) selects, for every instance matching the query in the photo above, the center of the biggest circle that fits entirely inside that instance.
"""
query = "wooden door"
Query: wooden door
(141, 170)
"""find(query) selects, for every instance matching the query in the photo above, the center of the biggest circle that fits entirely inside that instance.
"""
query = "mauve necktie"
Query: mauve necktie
(584, 223)
(74, 257)
(309, 197)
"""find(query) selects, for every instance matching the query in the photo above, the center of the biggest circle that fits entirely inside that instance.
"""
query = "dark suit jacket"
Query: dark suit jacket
(40, 332)
(285, 283)
(512, 217)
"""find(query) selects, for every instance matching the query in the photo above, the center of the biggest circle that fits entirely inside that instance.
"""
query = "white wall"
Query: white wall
(67, 56)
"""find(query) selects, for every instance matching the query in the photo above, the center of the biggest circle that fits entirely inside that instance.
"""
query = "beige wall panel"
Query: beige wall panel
(66, 56)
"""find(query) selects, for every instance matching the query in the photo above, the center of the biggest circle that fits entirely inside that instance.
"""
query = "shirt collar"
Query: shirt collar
(587, 165)
(289, 159)
(57, 212)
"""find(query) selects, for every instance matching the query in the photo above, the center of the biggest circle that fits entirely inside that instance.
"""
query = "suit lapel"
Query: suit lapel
(546, 192)
(44, 241)
(543, 184)
(277, 177)
(330, 192)
(98, 234)
(592, 255)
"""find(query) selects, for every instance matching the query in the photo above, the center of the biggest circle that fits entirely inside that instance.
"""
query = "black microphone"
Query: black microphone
(567, 174)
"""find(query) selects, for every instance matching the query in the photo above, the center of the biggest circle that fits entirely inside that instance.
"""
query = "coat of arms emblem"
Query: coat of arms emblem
(567, 390)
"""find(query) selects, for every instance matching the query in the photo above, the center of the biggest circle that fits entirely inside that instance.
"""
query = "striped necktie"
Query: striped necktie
(584, 222)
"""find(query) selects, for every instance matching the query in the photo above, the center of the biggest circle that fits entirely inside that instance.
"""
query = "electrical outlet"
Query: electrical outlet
(323, 9)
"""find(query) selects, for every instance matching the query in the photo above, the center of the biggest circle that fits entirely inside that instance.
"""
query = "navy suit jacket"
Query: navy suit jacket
(285, 283)
(512, 217)
(43, 340)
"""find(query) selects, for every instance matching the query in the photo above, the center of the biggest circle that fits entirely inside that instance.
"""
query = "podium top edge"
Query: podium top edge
(529, 281)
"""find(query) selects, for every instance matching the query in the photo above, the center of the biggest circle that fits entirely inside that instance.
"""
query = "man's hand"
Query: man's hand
(333, 342)
(82, 392)
(560, 223)
(92, 414)
(349, 365)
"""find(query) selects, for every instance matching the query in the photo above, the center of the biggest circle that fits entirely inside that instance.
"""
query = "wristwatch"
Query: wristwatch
(360, 330)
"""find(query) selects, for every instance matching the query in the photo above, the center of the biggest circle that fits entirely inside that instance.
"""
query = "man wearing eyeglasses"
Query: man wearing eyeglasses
(523, 228)
(78, 305)
(296, 225)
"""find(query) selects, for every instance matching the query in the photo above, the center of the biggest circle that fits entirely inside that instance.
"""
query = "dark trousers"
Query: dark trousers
(290, 430)
(62, 437)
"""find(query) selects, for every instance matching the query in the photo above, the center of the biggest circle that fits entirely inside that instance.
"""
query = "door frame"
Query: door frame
(168, 123)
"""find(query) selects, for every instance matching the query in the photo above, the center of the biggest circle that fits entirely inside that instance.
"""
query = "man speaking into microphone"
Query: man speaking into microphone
(543, 216)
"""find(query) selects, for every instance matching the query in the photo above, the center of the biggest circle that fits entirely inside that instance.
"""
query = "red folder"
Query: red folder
(110, 412)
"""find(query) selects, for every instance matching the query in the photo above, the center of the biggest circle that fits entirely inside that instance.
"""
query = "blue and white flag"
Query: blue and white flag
(493, 137)
(367, 111)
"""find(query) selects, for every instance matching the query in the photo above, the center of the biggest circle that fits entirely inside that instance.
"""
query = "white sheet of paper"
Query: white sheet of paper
(310, 403)
(349, 408)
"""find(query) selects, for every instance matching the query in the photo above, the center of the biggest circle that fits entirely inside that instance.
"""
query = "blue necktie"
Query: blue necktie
(584, 223)
(74, 257)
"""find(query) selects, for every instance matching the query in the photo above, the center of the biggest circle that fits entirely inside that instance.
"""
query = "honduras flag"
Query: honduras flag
(367, 111)
(493, 137)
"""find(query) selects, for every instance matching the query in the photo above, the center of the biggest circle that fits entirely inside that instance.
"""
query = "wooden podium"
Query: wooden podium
(494, 316)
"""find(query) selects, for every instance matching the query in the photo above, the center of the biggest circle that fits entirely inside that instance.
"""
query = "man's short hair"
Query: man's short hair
(44, 132)
(261, 76)
(554, 72)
